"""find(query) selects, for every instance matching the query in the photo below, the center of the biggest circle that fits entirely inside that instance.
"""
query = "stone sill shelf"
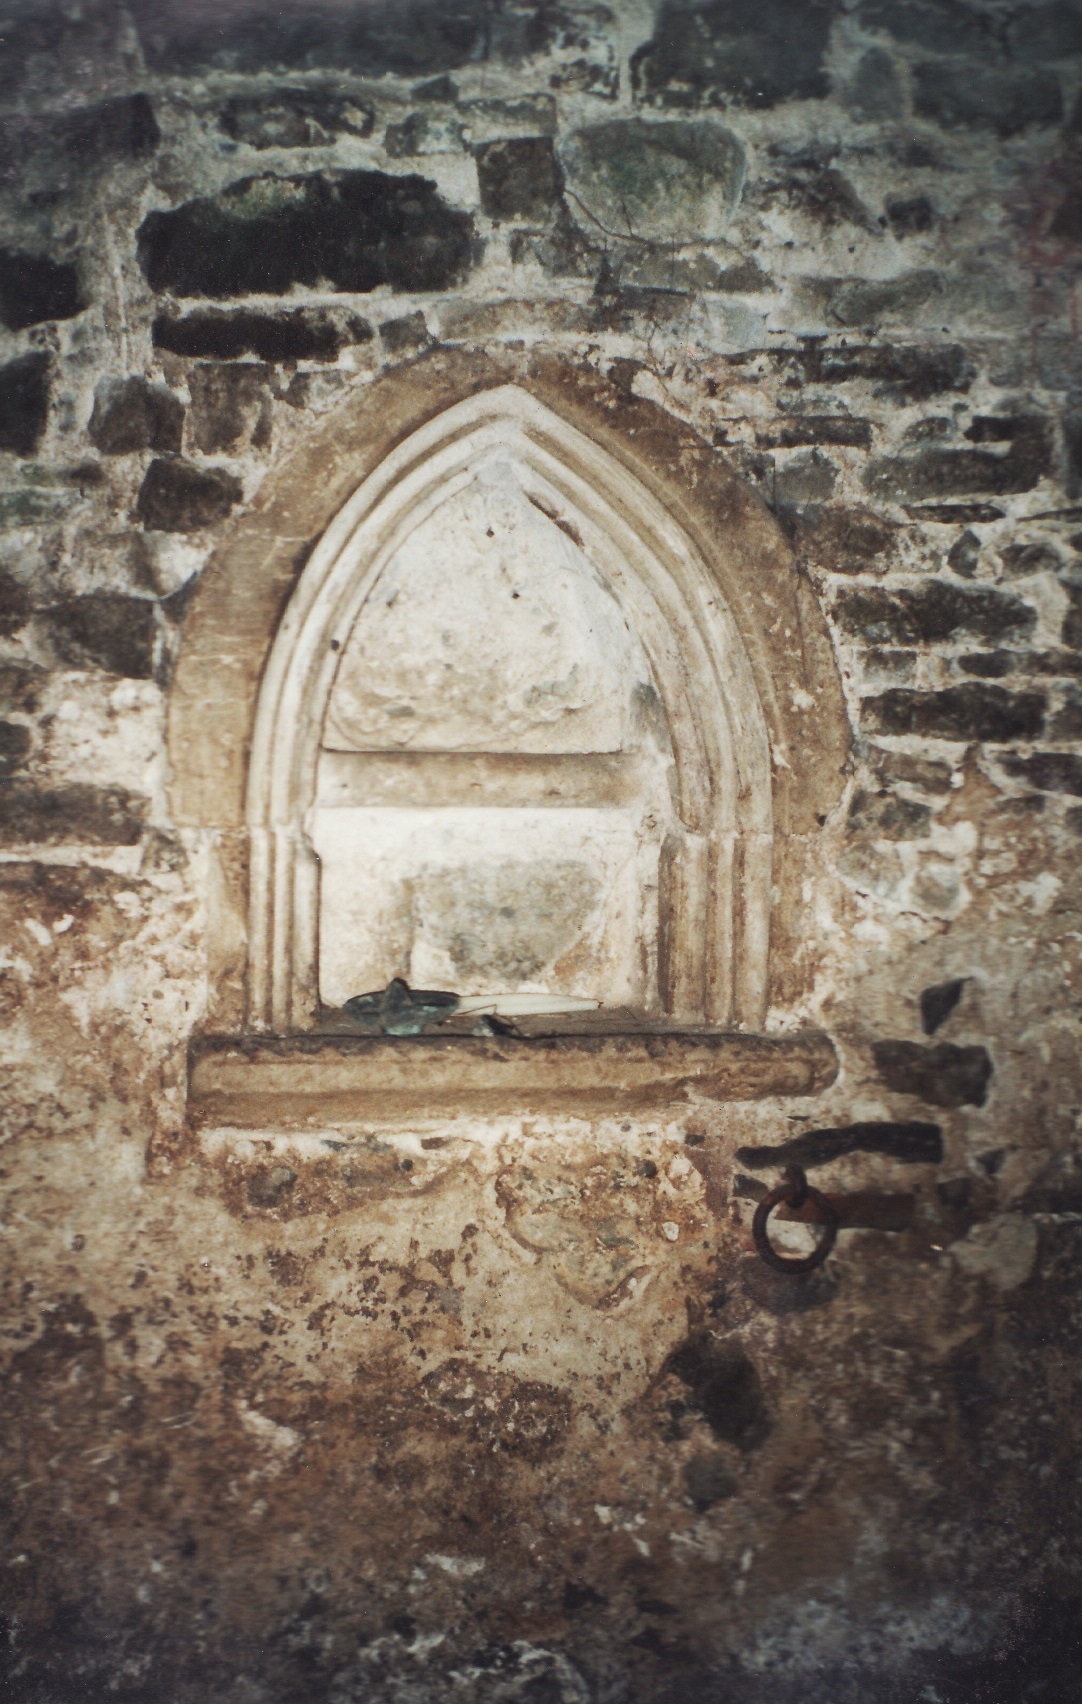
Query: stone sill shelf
(319, 1080)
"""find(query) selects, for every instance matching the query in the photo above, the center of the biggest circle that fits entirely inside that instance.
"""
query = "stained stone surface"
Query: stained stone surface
(415, 1375)
(668, 182)
(489, 631)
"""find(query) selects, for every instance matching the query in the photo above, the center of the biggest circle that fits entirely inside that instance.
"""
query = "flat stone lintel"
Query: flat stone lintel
(301, 1081)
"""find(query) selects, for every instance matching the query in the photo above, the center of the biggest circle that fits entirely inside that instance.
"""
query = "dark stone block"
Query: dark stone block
(909, 214)
(15, 742)
(938, 1002)
(964, 554)
(408, 332)
(1048, 771)
(944, 1075)
(231, 405)
(518, 178)
(121, 128)
(409, 38)
(423, 133)
(961, 96)
(874, 92)
(20, 683)
(942, 473)
(295, 118)
(807, 478)
(912, 1144)
(988, 665)
(907, 373)
(843, 541)
(961, 514)
(104, 816)
(1038, 557)
(735, 50)
(295, 334)
(969, 712)
(724, 1386)
(1052, 32)
(816, 429)
(177, 496)
(829, 197)
(34, 289)
(15, 604)
(885, 816)
(933, 610)
(708, 1481)
(106, 630)
(1072, 422)
(748, 277)
(867, 302)
(951, 26)
(1066, 725)
(911, 770)
(354, 230)
(133, 414)
(24, 403)
(1072, 621)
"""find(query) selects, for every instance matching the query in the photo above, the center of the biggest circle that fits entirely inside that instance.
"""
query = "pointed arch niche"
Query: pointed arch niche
(509, 733)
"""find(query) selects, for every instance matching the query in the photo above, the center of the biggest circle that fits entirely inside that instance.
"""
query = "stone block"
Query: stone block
(1066, 724)
(15, 742)
(886, 816)
(943, 472)
(909, 769)
(291, 334)
(178, 496)
(135, 414)
(972, 712)
(422, 133)
(123, 127)
(1072, 621)
(669, 182)
(35, 289)
(15, 604)
(950, 26)
(932, 611)
(794, 430)
(1035, 557)
(909, 215)
(943, 1075)
(735, 50)
(104, 816)
(518, 178)
(874, 92)
(843, 540)
(964, 554)
(808, 477)
(938, 1002)
(105, 630)
(411, 38)
(354, 230)
(868, 302)
(24, 402)
(231, 405)
(1050, 32)
(1047, 771)
(309, 117)
(970, 97)
(20, 683)
(904, 372)
(828, 196)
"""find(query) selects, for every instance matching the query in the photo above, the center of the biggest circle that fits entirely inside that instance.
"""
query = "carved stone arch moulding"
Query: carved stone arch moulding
(735, 642)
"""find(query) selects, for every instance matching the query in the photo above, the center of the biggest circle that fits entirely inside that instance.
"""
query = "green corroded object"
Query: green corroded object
(399, 1009)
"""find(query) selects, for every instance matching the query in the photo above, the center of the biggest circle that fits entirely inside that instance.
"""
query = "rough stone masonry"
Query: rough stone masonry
(506, 1408)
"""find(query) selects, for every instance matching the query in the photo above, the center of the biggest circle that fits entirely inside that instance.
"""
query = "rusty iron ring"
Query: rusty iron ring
(795, 1191)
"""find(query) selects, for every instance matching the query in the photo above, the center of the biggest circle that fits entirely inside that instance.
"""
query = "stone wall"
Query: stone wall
(505, 1407)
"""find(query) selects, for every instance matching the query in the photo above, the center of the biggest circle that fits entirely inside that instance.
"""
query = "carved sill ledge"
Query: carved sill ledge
(320, 1080)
